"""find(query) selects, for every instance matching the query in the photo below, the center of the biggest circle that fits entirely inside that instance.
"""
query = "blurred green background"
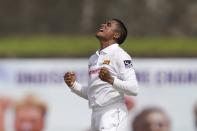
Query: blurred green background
(66, 28)
(78, 46)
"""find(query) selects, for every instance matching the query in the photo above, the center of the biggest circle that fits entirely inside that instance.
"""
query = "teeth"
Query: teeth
(101, 29)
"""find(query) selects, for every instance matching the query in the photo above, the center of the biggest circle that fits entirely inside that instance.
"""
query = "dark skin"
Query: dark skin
(105, 75)
(107, 35)
(70, 78)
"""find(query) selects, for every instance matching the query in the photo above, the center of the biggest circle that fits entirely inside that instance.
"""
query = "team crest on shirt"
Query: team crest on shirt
(106, 62)
(128, 63)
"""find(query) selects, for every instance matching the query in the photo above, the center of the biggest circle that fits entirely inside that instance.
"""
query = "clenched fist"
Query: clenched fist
(104, 75)
(70, 78)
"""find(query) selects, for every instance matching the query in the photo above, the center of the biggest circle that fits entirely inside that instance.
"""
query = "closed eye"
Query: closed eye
(108, 23)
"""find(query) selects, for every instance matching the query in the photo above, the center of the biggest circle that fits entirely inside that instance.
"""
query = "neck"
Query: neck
(105, 44)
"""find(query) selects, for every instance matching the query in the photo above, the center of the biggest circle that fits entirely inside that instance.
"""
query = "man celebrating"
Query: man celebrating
(111, 75)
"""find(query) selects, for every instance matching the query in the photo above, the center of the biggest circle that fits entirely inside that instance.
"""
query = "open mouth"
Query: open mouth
(101, 30)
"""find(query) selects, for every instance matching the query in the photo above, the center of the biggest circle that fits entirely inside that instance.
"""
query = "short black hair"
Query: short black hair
(122, 30)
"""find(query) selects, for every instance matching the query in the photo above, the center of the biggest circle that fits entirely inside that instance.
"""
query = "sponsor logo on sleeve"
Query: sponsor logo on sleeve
(127, 63)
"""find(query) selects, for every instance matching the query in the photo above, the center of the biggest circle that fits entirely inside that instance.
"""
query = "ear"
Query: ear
(116, 35)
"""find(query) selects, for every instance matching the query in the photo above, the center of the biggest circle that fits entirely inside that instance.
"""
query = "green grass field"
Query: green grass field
(75, 46)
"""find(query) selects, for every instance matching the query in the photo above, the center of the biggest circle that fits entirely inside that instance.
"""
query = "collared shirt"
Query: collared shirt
(119, 64)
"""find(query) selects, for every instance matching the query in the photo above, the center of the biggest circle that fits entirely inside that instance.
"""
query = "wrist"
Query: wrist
(73, 85)
(111, 81)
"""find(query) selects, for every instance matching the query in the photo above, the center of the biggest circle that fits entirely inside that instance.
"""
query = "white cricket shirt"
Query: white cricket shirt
(100, 93)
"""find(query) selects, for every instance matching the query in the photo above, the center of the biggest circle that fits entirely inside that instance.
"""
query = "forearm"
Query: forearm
(79, 90)
(129, 87)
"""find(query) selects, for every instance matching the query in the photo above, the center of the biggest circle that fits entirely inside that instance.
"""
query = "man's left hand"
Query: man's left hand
(104, 75)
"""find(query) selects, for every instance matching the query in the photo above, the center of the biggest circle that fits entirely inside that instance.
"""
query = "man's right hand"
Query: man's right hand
(70, 78)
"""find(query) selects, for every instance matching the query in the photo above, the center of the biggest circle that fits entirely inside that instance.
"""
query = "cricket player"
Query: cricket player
(111, 76)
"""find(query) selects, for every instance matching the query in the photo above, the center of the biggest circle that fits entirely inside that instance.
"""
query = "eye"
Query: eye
(108, 24)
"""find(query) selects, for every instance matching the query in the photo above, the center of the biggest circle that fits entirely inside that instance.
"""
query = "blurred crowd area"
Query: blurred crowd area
(30, 115)
(143, 17)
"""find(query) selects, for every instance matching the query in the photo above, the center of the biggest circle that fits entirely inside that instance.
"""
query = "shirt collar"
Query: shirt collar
(108, 49)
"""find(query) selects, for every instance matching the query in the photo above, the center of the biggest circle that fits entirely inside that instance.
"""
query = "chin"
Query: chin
(99, 34)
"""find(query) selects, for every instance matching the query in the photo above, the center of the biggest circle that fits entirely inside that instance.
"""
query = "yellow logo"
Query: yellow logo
(106, 62)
